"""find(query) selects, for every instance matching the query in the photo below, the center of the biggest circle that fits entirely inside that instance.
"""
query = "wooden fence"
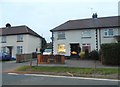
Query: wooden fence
(23, 57)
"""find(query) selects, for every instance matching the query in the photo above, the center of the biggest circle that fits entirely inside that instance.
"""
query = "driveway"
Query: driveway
(12, 65)
(81, 63)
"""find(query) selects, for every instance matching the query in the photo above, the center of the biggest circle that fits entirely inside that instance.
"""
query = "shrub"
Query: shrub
(86, 53)
(94, 55)
(82, 55)
(110, 53)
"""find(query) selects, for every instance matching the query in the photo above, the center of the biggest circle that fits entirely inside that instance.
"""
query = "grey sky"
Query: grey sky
(43, 15)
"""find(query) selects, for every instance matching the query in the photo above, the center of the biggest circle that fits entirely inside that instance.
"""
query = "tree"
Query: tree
(43, 45)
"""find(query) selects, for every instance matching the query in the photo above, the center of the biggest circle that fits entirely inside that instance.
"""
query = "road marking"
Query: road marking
(84, 78)
(13, 74)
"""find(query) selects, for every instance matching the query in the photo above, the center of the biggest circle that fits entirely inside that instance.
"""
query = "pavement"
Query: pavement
(81, 64)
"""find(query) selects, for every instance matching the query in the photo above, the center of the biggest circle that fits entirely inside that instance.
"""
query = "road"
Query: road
(21, 79)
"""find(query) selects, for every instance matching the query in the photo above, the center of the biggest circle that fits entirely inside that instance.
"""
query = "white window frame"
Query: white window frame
(3, 39)
(86, 33)
(86, 45)
(61, 35)
(19, 38)
(19, 49)
(61, 48)
(107, 33)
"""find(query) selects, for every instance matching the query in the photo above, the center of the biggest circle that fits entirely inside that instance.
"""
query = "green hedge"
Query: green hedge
(110, 53)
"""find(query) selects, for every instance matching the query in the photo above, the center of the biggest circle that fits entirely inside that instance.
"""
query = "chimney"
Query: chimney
(94, 16)
(8, 25)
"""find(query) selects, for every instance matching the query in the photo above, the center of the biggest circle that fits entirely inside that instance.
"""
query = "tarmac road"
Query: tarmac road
(21, 79)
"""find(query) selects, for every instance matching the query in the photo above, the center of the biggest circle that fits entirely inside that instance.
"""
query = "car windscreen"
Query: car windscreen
(48, 50)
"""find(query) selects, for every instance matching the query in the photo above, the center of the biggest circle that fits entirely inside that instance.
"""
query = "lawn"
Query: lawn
(99, 72)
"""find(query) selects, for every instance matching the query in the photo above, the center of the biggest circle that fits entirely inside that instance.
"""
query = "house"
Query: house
(19, 40)
(88, 34)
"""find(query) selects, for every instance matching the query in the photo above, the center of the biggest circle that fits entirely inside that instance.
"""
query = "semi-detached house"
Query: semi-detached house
(85, 33)
(19, 40)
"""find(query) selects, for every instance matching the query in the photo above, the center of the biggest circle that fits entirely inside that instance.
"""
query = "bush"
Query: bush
(94, 55)
(86, 53)
(82, 55)
(110, 53)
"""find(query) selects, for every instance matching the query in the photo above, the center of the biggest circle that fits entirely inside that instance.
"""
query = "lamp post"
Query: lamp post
(94, 16)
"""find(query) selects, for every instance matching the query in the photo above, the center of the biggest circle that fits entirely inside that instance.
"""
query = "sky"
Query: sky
(44, 15)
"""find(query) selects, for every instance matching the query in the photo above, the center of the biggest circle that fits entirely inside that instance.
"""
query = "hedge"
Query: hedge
(110, 53)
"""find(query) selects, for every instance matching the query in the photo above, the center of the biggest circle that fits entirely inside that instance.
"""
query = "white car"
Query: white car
(47, 52)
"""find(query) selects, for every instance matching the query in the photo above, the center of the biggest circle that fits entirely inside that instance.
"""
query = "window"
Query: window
(3, 39)
(86, 46)
(3, 49)
(86, 34)
(19, 38)
(61, 48)
(108, 32)
(61, 35)
(19, 49)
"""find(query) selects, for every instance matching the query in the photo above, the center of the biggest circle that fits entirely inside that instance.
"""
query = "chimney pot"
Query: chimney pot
(8, 25)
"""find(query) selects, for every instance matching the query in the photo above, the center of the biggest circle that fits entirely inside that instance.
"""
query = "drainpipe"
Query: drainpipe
(94, 16)
(100, 38)
(52, 42)
(96, 39)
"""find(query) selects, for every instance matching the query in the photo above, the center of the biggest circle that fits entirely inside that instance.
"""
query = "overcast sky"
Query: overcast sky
(43, 15)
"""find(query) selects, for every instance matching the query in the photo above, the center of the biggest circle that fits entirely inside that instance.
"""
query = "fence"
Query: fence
(23, 57)
(46, 59)
(41, 59)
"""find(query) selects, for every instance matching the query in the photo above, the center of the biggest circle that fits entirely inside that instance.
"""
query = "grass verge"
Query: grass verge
(75, 71)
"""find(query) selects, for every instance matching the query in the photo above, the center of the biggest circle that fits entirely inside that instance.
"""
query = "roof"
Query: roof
(16, 30)
(90, 23)
(49, 45)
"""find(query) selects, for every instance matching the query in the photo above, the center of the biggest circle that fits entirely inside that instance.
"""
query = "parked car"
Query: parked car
(5, 56)
(47, 52)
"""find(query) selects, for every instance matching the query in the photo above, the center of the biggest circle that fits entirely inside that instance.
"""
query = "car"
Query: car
(47, 52)
(6, 56)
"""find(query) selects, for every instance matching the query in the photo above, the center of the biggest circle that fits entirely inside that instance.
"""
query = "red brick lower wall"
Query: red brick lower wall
(46, 59)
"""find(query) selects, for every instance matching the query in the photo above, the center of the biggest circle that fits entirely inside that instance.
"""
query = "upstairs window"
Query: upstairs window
(61, 35)
(19, 38)
(3, 39)
(86, 34)
(108, 32)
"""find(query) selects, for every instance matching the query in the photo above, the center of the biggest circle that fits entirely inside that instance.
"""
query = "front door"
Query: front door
(75, 50)
(10, 50)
